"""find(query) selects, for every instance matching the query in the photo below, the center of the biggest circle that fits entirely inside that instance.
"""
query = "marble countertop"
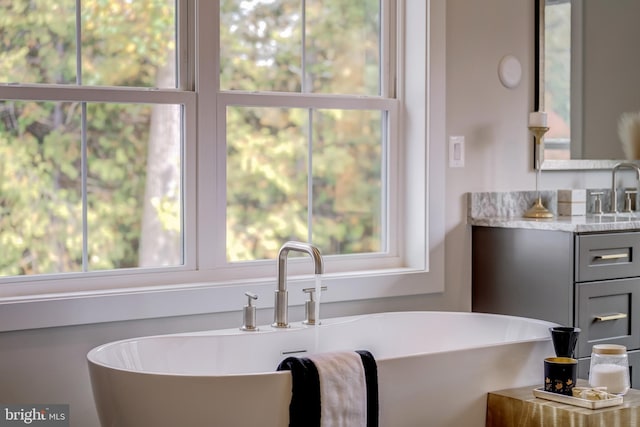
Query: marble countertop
(574, 224)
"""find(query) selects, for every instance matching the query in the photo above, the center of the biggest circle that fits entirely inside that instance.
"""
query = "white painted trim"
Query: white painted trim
(192, 299)
(94, 94)
(305, 100)
(436, 138)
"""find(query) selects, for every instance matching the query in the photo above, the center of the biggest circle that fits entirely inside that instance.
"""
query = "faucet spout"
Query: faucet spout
(614, 190)
(281, 302)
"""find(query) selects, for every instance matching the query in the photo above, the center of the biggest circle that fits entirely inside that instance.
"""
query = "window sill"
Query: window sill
(183, 300)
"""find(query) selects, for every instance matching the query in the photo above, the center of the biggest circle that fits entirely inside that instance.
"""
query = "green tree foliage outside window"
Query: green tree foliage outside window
(292, 173)
(123, 44)
(295, 173)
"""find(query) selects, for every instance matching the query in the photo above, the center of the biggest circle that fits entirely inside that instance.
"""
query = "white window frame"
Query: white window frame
(208, 88)
(189, 290)
(224, 270)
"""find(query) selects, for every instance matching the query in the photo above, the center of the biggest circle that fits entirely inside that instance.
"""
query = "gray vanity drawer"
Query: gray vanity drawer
(605, 315)
(607, 256)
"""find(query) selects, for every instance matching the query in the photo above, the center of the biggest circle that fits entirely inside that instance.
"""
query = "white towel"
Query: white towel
(343, 389)
(333, 389)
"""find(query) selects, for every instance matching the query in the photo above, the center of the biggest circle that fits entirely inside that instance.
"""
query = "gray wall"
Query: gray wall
(612, 67)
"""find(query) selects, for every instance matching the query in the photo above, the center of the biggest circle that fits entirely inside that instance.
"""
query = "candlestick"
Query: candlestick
(538, 210)
(537, 119)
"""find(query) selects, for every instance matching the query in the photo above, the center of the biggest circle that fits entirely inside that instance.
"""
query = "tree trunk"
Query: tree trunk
(160, 245)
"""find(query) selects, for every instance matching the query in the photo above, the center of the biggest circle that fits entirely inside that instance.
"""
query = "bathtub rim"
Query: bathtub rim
(299, 326)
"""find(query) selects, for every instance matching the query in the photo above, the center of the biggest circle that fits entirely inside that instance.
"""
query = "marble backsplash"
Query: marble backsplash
(507, 204)
(512, 204)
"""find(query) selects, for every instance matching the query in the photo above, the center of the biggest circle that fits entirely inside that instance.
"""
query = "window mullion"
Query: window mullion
(185, 42)
(83, 142)
(389, 46)
(385, 200)
(310, 175)
(303, 56)
(84, 173)
(79, 42)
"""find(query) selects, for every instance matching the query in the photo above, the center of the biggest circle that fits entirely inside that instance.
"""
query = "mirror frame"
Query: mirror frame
(573, 164)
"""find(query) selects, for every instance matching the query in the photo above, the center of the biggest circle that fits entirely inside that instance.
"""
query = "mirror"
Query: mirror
(587, 80)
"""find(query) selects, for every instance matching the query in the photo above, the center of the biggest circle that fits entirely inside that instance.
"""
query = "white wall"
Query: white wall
(48, 365)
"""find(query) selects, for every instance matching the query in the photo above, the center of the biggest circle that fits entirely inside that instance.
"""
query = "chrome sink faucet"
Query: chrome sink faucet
(614, 190)
(281, 310)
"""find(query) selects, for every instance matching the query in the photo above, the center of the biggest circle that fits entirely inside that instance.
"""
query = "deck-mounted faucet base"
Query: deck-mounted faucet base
(614, 190)
(281, 310)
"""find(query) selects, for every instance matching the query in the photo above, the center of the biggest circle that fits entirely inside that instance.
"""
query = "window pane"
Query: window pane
(134, 195)
(124, 43)
(260, 45)
(134, 179)
(343, 47)
(268, 180)
(129, 43)
(40, 193)
(557, 73)
(38, 41)
(347, 181)
(262, 48)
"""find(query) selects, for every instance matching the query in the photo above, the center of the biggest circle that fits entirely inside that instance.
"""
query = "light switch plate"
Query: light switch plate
(456, 151)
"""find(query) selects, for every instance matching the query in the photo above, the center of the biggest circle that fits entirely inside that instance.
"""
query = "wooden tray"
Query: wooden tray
(614, 400)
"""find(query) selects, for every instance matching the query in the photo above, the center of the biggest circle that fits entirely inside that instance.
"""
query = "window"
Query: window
(305, 104)
(282, 121)
(307, 107)
(91, 157)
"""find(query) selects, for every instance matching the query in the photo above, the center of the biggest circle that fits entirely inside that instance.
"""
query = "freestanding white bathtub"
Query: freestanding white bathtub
(434, 369)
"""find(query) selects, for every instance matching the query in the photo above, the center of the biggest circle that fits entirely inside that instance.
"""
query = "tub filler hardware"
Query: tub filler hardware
(249, 312)
(310, 306)
(281, 309)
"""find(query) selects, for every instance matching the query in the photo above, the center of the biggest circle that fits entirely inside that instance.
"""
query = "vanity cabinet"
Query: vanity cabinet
(587, 280)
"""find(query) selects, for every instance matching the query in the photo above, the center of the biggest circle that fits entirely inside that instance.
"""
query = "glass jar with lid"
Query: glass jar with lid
(610, 368)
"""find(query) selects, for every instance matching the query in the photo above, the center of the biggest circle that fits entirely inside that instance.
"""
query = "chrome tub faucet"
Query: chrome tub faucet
(281, 310)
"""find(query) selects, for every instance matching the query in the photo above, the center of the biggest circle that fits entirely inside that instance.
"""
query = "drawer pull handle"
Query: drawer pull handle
(608, 317)
(612, 256)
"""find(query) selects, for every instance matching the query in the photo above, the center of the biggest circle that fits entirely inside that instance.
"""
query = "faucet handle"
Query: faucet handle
(627, 200)
(251, 296)
(312, 291)
(310, 306)
(597, 203)
(249, 312)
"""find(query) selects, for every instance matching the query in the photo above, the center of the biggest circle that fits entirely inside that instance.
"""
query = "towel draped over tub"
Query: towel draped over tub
(337, 389)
